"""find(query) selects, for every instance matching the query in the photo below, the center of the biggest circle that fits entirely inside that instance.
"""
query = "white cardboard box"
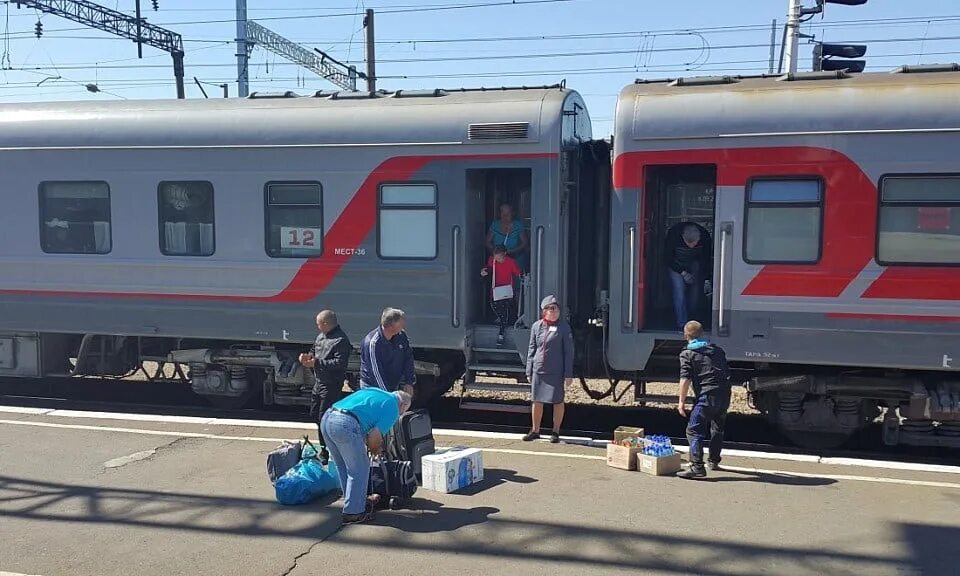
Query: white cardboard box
(451, 469)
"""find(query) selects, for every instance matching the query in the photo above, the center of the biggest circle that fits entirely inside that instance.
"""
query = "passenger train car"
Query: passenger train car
(834, 205)
(208, 234)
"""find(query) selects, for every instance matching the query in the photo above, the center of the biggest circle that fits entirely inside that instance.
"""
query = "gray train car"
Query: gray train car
(833, 202)
(209, 233)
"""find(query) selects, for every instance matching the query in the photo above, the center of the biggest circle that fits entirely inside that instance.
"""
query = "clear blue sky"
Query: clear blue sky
(598, 46)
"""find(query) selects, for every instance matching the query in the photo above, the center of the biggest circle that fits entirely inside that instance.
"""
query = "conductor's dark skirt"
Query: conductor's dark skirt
(548, 388)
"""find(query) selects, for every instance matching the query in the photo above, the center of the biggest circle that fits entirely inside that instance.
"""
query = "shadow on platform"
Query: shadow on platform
(486, 534)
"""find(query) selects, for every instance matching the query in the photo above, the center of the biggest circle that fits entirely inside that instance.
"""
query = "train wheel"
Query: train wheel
(817, 440)
(229, 402)
(429, 389)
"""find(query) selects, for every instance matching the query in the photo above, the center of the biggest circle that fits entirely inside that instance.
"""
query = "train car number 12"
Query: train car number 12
(299, 238)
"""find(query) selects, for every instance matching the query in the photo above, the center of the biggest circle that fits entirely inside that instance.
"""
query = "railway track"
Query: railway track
(744, 432)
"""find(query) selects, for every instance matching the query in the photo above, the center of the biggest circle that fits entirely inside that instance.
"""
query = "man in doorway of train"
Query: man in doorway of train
(329, 358)
(386, 358)
(689, 256)
(704, 367)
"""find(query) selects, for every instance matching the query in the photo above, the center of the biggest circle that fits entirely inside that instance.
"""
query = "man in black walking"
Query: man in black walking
(704, 366)
(329, 358)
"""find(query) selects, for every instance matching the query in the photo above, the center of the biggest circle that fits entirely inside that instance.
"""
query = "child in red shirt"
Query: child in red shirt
(505, 269)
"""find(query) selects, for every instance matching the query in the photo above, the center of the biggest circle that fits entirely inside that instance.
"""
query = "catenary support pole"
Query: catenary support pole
(793, 35)
(371, 53)
(243, 54)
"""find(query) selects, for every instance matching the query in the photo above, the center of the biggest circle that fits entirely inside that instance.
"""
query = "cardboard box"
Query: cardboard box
(626, 432)
(451, 469)
(622, 457)
(658, 466)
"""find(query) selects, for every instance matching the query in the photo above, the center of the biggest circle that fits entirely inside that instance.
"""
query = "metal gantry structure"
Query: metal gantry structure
(316, 61)
(118, 24)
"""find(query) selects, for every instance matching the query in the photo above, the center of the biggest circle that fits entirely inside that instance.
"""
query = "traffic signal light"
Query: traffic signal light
(839, 57)
(156, 5)
(38, 29)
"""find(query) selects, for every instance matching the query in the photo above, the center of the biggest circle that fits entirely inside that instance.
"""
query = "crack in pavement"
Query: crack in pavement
(298, 557)
(141, 456)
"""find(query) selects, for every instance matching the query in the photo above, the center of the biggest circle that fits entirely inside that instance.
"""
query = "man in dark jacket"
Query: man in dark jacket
(688, 253)
(386, 358)
(329, 358)
(704, 366)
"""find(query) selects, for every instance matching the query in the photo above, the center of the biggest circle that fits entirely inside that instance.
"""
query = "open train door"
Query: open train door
(653, 201)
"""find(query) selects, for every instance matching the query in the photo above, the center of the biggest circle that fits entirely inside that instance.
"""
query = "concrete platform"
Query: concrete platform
(86, 494)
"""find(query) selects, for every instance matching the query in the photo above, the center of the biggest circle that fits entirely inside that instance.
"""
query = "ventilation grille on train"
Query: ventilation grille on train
(499, 131)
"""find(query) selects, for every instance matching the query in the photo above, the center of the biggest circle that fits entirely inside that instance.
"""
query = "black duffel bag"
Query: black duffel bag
(393, 480)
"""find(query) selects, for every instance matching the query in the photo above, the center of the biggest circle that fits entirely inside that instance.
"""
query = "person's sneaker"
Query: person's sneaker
(531, 436)
(358, 518)
(692, 474)
(555, 438)
(499, 339)
(713, 465)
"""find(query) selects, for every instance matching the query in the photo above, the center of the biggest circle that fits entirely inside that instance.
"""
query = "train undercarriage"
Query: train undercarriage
(824, 408)
(814, 407)
(227, 374)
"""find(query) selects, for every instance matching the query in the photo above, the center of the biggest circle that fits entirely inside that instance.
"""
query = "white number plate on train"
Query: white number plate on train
(300, 238)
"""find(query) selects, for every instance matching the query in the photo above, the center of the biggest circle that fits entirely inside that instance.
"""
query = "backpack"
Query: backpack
(411, 439)
(282, 459)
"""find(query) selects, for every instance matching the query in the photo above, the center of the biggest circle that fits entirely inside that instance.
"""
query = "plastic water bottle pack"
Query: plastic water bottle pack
(658, 446)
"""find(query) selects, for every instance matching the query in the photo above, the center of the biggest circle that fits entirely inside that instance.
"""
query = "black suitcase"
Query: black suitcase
(411, 439)
(393, 481)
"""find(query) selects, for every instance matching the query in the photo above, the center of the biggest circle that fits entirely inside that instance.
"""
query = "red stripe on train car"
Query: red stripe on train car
(895, 318)
(349, 230)
(916, 283)
(849, 226)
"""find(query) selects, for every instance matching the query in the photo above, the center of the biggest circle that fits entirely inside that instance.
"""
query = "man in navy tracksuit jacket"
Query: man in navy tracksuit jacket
(386, 358)
(703, 366)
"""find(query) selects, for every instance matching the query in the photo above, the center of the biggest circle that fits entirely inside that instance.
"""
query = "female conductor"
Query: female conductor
(549, 366)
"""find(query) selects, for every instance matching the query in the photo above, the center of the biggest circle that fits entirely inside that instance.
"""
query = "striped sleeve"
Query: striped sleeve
(375, 361)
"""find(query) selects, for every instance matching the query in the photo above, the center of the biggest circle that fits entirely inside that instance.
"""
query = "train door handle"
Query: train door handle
(631, 254)
(455, 268)
(539, 289)
(724, 280)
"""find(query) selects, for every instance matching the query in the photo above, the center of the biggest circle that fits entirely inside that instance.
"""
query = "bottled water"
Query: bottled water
(658, 446)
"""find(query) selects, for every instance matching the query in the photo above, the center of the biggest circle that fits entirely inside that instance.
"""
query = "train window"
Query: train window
(919, 220)
(75, 217)
(186, 218)
(783, 221)
(294, 219)
(408, 221)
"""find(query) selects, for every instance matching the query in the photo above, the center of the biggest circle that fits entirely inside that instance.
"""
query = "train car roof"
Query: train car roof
(326, 118)
(920, 98)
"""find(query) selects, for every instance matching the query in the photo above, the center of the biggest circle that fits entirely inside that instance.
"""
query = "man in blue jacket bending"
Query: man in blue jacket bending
(386, 358)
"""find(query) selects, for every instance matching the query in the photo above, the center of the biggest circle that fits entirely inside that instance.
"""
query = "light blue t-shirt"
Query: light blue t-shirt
(373, 407)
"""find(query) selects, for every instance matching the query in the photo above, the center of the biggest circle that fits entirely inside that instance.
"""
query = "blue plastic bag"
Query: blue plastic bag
(306, 481)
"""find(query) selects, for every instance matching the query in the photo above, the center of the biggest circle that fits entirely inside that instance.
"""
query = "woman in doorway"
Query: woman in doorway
(508, 232)
(549, 366)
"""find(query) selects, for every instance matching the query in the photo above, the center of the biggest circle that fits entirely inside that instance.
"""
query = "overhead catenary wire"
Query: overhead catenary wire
(124, 84)
(702, 30)
(514, 56)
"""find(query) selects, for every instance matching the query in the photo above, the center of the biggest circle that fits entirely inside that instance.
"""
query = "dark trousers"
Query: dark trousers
(502, 309)
(707, 420)
(322, 398)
